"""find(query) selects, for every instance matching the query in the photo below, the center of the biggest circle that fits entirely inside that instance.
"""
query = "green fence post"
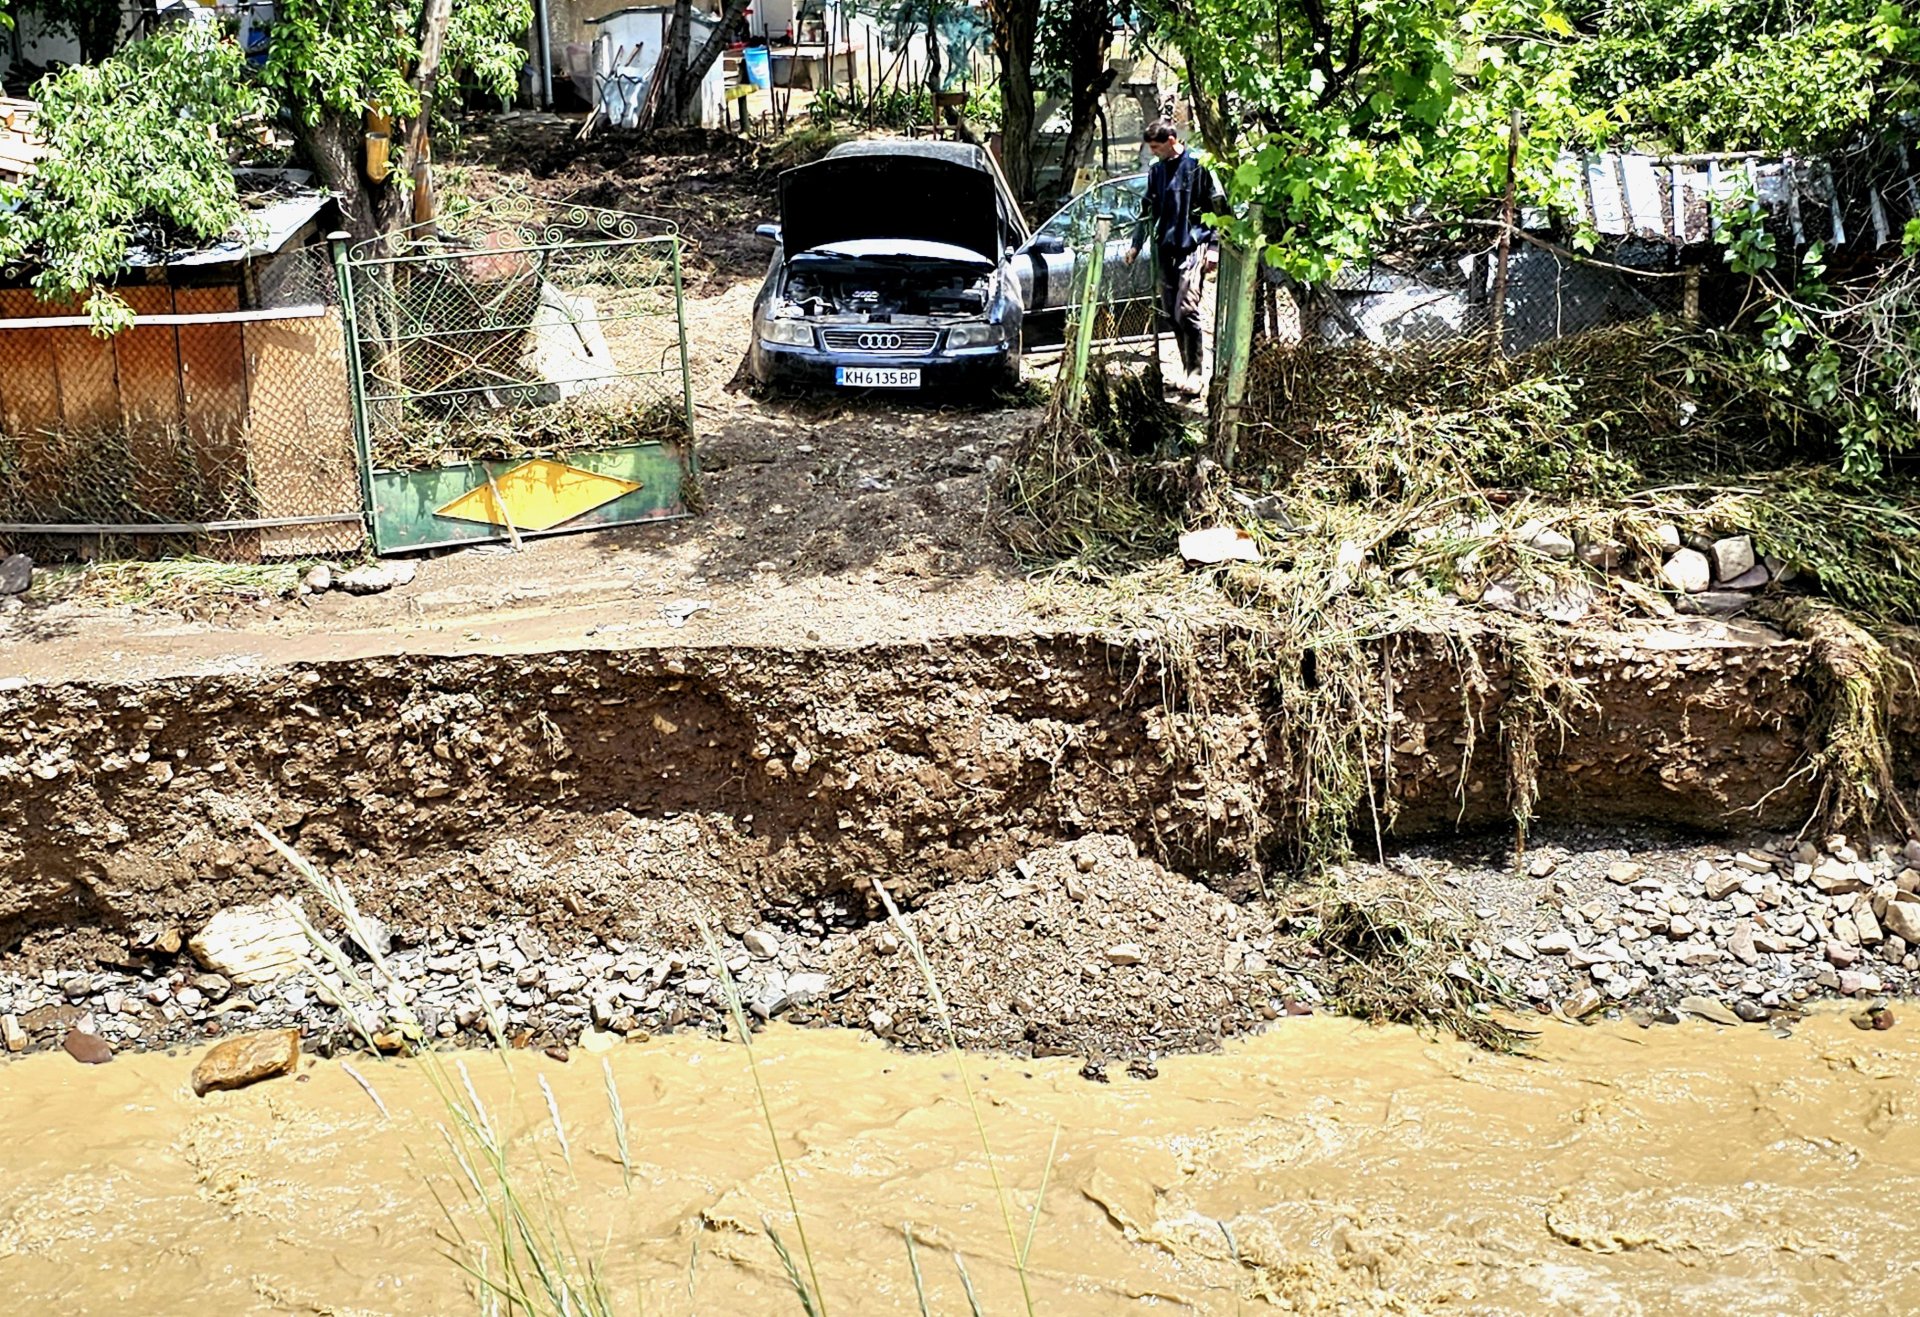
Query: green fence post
(686, 371)
(356, 382)
(1233, 341)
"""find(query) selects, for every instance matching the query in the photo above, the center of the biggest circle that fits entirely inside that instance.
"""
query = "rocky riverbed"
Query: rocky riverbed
(1084, 948)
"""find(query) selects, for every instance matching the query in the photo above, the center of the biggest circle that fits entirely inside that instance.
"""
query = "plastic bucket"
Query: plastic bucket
(759, 66)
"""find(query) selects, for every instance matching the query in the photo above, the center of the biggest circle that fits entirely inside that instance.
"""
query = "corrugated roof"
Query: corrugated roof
(275, 222)
(1673, 199)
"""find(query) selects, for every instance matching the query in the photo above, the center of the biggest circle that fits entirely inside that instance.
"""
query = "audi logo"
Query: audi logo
(880, 342)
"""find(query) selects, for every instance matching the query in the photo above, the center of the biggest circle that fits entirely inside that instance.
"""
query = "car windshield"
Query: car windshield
(1118, 199)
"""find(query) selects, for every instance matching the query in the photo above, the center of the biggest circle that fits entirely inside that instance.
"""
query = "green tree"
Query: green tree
(141, 144)
(330, 62)
(142, 149)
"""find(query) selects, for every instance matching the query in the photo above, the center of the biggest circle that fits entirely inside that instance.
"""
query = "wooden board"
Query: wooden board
(89, 392)
(300, 434)
(1603, 181)
(29, 381)
(148, 357)
(213, 387)
(1645, 206)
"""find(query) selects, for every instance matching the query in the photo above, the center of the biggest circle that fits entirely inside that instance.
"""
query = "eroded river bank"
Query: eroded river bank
(1321, 1166)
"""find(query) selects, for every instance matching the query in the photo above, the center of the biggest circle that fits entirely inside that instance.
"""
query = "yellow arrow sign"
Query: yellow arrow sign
(537, 495)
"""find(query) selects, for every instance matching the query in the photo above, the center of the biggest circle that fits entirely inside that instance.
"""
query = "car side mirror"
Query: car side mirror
(1049, 244)
(771, 232)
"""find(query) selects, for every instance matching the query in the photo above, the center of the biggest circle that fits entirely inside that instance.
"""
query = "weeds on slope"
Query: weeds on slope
(1391, 493)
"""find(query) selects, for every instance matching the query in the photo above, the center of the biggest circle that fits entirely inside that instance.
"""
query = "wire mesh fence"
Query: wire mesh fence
(218, 422)
(518, 332)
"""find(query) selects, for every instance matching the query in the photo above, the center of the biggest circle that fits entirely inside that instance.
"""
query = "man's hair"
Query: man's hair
(1160, 130)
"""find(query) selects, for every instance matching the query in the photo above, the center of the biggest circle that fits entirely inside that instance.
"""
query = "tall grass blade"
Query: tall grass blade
(1033, 1217)
(808, 1303)
(559, 1127)
(739, 1014)
(620, 1128)
(913, 1265)
(919, 953)
(966, 1283)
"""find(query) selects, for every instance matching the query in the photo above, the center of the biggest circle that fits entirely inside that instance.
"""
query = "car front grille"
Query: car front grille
(880, 338)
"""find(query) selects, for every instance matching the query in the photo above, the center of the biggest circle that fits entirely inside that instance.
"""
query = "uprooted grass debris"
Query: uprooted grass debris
(1442, 492)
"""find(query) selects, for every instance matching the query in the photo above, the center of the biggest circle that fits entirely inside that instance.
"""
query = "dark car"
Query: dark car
(893, 267)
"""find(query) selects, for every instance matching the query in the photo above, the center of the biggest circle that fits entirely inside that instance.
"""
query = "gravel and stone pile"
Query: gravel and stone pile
(1083, 948)
(1080, 949)
(1580, 926)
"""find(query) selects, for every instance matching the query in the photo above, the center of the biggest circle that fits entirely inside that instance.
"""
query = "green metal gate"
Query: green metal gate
(521, 370)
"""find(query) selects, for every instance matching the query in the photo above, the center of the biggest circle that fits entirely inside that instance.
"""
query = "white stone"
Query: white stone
(1732, 557)
(1125, 953)
(16, 574)
(1688, 571)
(1552, 543)
(565, 353)
(253, 944)
(1903, 918)
(760, 944)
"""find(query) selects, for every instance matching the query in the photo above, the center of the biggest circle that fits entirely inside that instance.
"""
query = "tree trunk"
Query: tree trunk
(1015, 31)
(682, 105)
(1089, 35)
(96, 29)
(335, 143)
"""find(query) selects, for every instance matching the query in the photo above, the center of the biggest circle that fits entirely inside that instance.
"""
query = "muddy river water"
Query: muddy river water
(1323, 1167)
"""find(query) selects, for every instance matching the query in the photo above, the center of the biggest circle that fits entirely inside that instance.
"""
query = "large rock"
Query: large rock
(565, 352)
(1732, 557)
(16, 573)
(1688, 571)
(376, 577)
(1835, 876)
(87, 1048)
(253, 944)
(247, 1060)
(1902, 919)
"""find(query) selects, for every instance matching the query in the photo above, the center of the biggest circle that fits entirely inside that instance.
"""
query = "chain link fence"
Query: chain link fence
(523, 368)
(218, 423)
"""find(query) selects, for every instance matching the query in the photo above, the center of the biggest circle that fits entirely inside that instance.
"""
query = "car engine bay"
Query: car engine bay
(876, 292)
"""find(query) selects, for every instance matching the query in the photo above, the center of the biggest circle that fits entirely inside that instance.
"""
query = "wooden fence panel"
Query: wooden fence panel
(148, 357)
(29, 379)
(213, 386)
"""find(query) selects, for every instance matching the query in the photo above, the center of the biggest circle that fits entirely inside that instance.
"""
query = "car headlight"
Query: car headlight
(793, 333)
(976, 336)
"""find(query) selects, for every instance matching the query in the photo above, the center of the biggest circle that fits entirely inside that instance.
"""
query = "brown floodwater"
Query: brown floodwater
(1323, 1167)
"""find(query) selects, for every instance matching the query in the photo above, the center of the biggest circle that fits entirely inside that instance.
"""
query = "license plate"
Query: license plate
(875, 377)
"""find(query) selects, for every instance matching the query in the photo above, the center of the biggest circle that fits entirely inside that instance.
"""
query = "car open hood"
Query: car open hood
(879, 196)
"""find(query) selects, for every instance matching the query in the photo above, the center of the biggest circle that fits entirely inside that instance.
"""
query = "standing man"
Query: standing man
(1179, 192)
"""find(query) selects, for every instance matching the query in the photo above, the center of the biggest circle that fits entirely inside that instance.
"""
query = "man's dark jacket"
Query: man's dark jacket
(1179, 192)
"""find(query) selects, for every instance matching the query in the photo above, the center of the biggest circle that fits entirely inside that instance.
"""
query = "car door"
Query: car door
(1049, 265)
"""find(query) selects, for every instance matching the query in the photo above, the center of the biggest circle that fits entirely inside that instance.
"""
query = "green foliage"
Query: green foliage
(347, 56)
(1729, 75)
(140, 150)
(1333, 124)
